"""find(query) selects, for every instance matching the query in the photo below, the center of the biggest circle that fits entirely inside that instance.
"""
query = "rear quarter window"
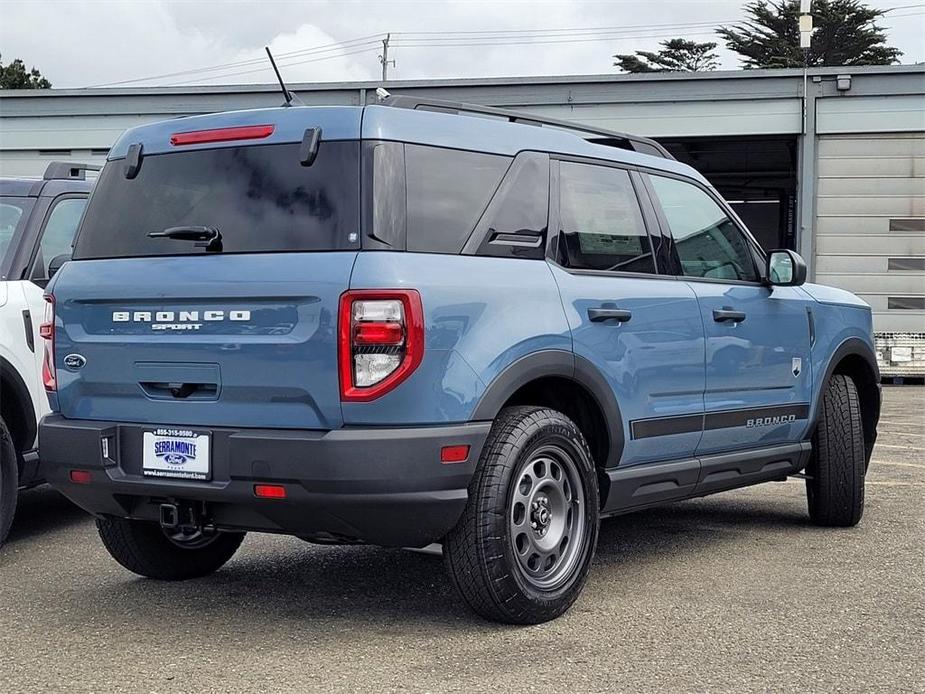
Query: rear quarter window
(448, 190)
(260, 198)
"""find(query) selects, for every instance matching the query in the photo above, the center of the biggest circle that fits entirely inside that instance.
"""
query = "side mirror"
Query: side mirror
(56, 263)
(785, 268)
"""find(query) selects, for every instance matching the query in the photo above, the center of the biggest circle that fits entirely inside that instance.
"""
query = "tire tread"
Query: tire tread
(835, 490)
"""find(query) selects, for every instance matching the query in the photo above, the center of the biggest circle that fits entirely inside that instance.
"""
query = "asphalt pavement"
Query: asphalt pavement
(735, 592)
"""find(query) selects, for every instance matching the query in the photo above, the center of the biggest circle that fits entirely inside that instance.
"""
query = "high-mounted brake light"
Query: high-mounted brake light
(380, 341)
(244, 132)
(47, 331)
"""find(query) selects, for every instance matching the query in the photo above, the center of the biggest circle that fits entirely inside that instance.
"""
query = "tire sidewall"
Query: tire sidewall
(562, 434)
(9, 481)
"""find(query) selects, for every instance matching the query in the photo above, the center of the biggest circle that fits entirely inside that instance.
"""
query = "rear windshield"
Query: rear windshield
(259, 198)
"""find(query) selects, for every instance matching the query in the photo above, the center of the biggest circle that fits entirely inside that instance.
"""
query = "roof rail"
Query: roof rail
(58, 170)
(635, 143)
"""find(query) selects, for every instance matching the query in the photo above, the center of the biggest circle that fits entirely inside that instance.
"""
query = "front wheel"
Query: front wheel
(835, 475)
(522, 550)
(145, 549)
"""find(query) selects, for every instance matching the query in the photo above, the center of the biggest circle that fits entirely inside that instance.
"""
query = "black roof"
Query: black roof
(60, 177)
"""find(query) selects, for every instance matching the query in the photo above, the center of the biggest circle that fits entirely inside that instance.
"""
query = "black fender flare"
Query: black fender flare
(556, 362)
(852, 346)
(22, 401)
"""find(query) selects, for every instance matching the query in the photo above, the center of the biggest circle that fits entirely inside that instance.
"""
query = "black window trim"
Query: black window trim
(552, 245)
(755, 251)
(12, 264)
(40, 232)
(480, 231)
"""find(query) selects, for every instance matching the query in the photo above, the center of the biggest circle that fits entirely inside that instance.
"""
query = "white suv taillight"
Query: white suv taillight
(380, 341)
(47, 331)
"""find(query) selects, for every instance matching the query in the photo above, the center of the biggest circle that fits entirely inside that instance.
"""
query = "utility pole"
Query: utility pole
(806, 35)
(384, 58)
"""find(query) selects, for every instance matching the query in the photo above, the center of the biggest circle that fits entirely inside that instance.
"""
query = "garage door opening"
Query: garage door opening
(757, 176)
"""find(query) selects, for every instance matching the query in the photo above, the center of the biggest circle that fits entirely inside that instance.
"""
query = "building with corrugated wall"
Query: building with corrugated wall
(830, 163)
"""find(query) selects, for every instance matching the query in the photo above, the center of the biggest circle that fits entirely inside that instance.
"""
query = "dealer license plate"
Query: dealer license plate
(181, 453)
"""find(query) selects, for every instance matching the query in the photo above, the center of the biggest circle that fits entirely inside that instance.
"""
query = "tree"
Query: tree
(677, 55)
(15, 76)
(845, 33)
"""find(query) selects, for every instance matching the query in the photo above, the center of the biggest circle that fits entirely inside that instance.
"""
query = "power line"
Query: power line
(366, 49)
(420, 36)
(621, 28)
(456, 39)
(372, 39)
(609, 37)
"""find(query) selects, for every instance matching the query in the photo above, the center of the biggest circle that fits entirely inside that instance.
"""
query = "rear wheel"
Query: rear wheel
(9, 481)
(145, 549)
(835, 475)
(522, 550)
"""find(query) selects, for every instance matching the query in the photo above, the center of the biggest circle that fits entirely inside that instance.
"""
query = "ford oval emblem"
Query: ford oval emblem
(75, 361)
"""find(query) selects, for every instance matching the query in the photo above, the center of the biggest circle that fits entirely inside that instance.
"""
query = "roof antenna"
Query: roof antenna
(287, 95)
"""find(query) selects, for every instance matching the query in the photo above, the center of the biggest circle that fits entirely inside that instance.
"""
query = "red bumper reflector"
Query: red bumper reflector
(270, 491)
(454, 454)
(80, 476)
(199, 137)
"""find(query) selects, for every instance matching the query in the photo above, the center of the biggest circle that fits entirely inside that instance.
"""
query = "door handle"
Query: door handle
(725, 315)
(599, 315)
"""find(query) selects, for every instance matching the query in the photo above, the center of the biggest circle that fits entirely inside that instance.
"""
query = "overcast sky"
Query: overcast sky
(82, 43)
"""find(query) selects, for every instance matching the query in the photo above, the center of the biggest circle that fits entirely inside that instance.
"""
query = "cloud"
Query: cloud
(84, 43)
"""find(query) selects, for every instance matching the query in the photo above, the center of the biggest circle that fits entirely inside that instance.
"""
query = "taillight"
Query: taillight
(380, 341)
(47, 331)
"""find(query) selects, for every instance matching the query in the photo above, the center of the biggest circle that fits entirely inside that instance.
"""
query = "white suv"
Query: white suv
(38, 219)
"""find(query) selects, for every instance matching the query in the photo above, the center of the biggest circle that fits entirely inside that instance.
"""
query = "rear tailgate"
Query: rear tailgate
(164, 328)
(236, 340)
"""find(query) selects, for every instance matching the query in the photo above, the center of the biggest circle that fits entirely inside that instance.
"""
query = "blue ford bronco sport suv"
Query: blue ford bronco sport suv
(417, 322)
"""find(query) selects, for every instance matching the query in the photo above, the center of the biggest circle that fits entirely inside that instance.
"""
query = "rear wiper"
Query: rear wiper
(209, 238)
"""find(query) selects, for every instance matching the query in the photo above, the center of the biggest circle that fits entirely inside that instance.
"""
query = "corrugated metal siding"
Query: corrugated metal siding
(32, 163)
(864, 182)
(685, 118)
(870, 114)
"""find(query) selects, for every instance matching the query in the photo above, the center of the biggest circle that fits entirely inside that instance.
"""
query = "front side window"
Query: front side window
(58, 234)
(601, 226)
(708, 243)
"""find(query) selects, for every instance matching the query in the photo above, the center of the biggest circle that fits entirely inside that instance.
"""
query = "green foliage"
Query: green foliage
(677, 55)
(845, 33)
(15, 76)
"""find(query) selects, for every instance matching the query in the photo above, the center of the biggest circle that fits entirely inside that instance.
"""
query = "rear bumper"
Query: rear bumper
(383, 486)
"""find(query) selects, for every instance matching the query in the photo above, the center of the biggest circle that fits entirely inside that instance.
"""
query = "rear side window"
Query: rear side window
(448, 190)
(709, 245)
(601, 226)
(260, 198)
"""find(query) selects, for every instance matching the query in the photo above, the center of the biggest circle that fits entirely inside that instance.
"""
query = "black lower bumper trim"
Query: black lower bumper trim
(384, 486)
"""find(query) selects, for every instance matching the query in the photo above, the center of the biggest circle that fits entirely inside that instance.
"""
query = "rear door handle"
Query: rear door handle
(726, 315)
(599, 315)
